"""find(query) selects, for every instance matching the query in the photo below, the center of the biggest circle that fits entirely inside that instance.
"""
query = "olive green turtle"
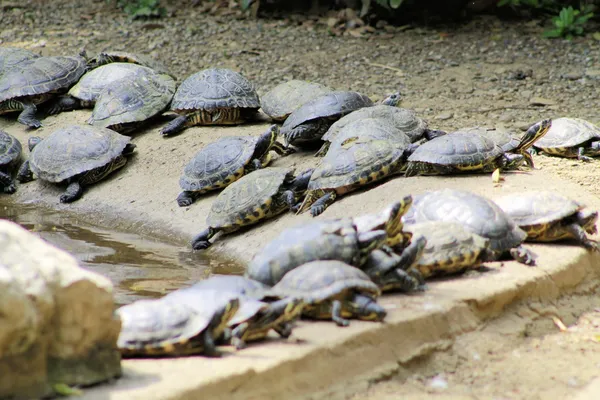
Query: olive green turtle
(168, 327)
(333, 290)
(548, 217)
(571, 138)
(226, 160)
(77, 155)
(262, 194)
(214, 96)
(10, 157)
(285, 98)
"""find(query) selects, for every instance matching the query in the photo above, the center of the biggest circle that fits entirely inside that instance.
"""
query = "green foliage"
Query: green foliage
(569, 23)
(389, 3)
(142, 8)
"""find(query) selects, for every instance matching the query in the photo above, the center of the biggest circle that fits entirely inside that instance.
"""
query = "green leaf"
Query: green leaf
(596, 36)
(554, 33)
(396, 3)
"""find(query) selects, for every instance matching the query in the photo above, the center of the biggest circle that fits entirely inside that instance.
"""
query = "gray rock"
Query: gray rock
(56, 319)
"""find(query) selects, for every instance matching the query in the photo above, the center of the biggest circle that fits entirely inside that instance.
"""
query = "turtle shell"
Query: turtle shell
(568, 132)
(10, 149)
(234, 283)
(401, 119)
(75, 149)
(10, 57)
(330, 105)
(502, 137)
(134, 58)
(215, 88)
(358, 164)
(93, 82)
(41, 75)
(319, 281)
(462, 150)
(218, 161)
(245, 195)
(369, 128)
(450, 248)
(476, 213)
(279, 102)
(319, 240)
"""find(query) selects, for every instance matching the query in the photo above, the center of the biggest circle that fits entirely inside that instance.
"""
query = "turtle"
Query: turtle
(333, 290)
(306, 125)
(502, 137)
(253, 319)
(571, 138)
(167, 327)
(279, 102)
(238, 284)
(449, 248)
(125, 105)
(548, 216)
(113, 56)
(464, 152)
(259, 195)
(10, 157)
(87, 90)
(214, 96)
(399, 119)
(226, 160)
(477, 214)
(11, 57)
(357, 164)
(36, 81)
(77, 155)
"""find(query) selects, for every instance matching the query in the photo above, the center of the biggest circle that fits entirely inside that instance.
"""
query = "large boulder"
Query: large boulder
(56, 319)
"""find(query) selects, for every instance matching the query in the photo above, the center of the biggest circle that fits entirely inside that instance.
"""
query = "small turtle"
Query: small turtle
(349, 167)
(449, 249)
(124, 106)
(308, 124)
(285, 98)
(398, 119)
(10, 157)
(253, 319)
(572, 138)
(548, 217)
(111, 56)
(87, 90)
(464, 152)
(34, 82)
(11, 57)
(168, 327)
(334, 290)
(259, 195)
(478, 215)
(76, 155)
(214, 96)
(335, 239)
(226, 160)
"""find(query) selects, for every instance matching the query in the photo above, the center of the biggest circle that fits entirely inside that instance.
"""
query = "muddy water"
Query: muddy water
(137, 266)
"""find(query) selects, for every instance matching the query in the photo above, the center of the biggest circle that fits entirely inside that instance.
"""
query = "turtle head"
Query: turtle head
(535, 132)
(33, 141)
(266, 141)
(513, 161)
(393, 100)
(366, 308)
(587, 219)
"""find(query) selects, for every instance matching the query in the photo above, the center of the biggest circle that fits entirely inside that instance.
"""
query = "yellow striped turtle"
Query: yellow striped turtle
(571, 138)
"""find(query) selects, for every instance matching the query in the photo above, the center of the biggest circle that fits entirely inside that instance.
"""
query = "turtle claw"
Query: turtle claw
(317, 210)
(201, 244)
(184, 199)
(10, 189)
(523, 255)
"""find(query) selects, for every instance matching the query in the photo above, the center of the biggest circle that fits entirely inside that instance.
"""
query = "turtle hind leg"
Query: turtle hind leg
(579, 234)
(27, 116)
(73, 192)
(175, 126)
(582, 157)
(523, 255)
(200, 242)
(208, 343)
(25, 175)
(336, 314)
(186, 198)
(7, 183)
(322, 203)
(237, 335)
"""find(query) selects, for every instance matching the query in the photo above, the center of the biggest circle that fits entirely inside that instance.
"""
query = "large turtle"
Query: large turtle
(285, 98)
(166, 327)
(349, 167)
(449, 248)
(10, 157)
(478, 215)
(548, 217)
(76, 155)
(87, 90)
(115, 56)
(467, 152)
(308, 124)
(572, 138)
(10, 57)
(125, 105)
(36, 81)
(214, 96)
(259, 195)
(333, 290)
(226, 160)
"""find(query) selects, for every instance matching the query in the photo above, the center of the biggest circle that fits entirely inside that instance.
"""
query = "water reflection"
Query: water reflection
(137, 266)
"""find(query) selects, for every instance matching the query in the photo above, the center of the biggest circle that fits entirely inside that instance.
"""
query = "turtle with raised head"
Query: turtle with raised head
(549, 217)
(285, 98)
(222, 162)
(333, 290)
(76, 155)
(262, 194)
(10, 157)
(214, 96)
(571, 138)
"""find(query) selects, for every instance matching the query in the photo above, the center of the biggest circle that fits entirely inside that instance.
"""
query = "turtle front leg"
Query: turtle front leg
(73, 192)
(336, 314)
(306, 133)
(523, 255)
(186, 198)
(582, 157)
(208, 343)
(62, 104)
(237, 335)
(322, 203)
(7, 183)
(201, 241)
(175, 126)
(284, 329)
(581, 236)
(25, 175)
(411, 254)
(27, 116)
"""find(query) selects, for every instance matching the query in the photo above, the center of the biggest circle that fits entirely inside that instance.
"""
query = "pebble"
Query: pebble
(573, 76)
(506, 117)
(541, 101)
(592, 73)
(438, 382)
(444, 116)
